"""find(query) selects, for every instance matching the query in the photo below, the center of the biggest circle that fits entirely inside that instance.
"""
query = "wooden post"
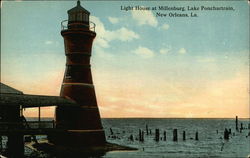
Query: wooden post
(142, 136)
(1, 144)
(15, 146)
(111, 131)
(236, 123)
(196, 136)
(184, 135)
(175, 135)
(39, 116)
(157, 135)
(164, 135)
(21, 110)
(226, 134)
(131, 137)
(241, 126)
(147, 129)
(53, 123)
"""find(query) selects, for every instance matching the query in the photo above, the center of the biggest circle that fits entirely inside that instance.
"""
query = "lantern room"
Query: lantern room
(78, 18)
(78, 15)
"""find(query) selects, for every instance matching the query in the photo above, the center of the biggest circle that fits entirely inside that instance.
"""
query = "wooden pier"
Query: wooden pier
(14, 125)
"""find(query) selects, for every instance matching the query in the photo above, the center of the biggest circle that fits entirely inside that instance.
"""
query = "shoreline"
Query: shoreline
(65, 151)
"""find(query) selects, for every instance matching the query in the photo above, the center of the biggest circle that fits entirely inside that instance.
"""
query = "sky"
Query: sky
(142, 65)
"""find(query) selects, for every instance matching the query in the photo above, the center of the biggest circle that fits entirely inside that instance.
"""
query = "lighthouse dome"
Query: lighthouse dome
(78, 14)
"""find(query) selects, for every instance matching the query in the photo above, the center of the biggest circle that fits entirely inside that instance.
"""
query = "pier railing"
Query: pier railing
(28, 125)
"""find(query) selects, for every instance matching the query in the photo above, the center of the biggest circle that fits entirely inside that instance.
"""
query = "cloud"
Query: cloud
(122, 34)
(169, 98)
(205, 59)
(182, 51)
(165, 27)
(144, 17)
(105, 36)
(48, 42)
(102, 42)
(100, 52)
(113, 20)
(165, 50)
(144, 52)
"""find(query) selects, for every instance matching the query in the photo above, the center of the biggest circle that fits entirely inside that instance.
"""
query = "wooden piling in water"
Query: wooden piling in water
(226, 134)
(236, 123)
(157, 135)
(184, 135)
(175, 135)
(139, 134)
(142, 136)
(196, 136)
(164, 135)
(146, 129)
(241, 126)
(131, 137)
(111, 131)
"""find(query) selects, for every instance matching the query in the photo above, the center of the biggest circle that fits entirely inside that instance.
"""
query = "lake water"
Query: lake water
(211, 141)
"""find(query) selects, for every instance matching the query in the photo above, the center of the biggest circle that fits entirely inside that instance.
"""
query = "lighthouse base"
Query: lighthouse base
(81, 126)
(77, 138)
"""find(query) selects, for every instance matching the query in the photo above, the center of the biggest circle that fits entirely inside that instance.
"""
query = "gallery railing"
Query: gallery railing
(65, 25)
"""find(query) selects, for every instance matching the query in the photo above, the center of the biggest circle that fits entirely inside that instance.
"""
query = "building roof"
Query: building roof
(28, 101)
(4, 89)
(11, 96)
(78, 8)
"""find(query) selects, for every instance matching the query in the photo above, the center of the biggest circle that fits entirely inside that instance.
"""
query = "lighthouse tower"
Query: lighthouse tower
(82, 123)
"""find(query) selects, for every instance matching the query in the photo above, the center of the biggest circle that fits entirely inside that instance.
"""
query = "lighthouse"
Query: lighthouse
(82, 123)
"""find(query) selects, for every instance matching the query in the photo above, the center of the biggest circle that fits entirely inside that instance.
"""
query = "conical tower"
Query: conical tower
(83, 123)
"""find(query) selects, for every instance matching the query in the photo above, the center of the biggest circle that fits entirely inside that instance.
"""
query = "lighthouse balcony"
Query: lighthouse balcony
(65, 25)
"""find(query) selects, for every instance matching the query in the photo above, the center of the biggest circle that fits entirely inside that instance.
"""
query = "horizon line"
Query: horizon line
(163, 117)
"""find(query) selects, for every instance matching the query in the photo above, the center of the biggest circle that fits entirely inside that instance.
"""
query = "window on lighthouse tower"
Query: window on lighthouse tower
(80, 17)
